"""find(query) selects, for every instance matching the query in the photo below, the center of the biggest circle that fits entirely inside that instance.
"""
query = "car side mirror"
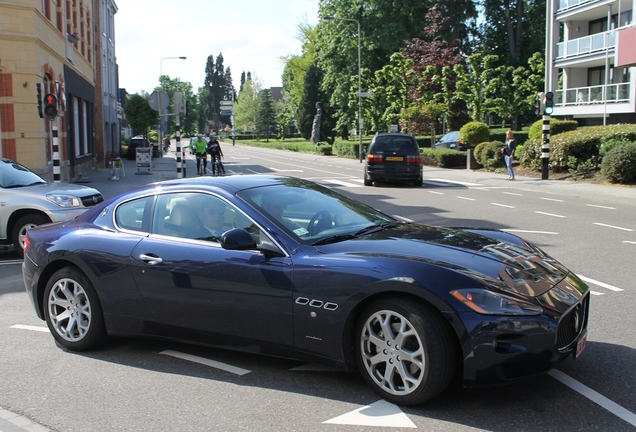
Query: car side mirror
(237, 239)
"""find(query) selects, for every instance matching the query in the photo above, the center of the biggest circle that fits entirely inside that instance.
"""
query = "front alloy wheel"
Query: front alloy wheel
(404, 351)
(72, 311)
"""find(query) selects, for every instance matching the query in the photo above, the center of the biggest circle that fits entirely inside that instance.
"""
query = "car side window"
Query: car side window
(132, 215)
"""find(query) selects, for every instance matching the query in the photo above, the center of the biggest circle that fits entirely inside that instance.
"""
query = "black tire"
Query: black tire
(426, 357)
(21, 227)
(73, 312)
(367, 180)
(418, 182)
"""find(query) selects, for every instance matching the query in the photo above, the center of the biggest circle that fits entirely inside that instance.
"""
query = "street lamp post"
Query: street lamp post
(159, 97)
(329, 18)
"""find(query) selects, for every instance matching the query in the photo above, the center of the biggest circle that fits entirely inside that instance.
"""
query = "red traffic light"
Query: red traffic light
(50, 105)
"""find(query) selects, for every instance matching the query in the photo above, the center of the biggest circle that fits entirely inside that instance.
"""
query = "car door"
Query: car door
(210, 294)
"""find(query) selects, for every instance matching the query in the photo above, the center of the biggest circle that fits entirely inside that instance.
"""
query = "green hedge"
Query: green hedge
(577, 151)
(443, 158)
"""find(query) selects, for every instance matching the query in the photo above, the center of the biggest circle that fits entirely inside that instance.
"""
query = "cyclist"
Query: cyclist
(199, 146)
(215, 152)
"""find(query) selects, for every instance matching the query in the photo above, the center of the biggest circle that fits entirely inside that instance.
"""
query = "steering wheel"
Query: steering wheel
(319, 222)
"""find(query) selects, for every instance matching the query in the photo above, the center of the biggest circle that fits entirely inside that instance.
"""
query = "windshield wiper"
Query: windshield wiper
(375, 228)
(334, 239)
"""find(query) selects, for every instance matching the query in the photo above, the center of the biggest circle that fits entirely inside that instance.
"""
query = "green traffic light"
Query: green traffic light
(548, 110)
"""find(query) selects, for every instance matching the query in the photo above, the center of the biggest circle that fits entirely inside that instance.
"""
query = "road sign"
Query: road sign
(225, 103)
(226, 113)
(157, 97)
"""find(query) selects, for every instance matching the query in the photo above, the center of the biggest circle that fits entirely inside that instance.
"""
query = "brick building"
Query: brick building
(52, 45)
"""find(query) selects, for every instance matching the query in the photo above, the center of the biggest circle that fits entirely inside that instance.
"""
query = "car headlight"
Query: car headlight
(64, 201)
(492, 303)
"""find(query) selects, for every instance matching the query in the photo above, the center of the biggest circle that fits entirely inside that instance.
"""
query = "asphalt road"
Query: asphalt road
(157, 386)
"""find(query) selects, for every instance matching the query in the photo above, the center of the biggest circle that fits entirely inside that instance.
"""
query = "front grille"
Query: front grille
(572, 324)
(91, 200)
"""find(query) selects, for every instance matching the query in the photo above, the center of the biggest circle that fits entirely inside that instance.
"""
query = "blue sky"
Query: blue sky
(252, 35)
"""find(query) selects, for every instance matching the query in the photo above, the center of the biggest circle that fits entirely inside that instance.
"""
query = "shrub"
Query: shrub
(556, 127)
(474, 133)
(576, 150)
(619, 164)
(443, 158)
(489, 155)
(610, 143)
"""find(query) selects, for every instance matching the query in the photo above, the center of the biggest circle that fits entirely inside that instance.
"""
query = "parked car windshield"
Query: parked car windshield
(13, 175)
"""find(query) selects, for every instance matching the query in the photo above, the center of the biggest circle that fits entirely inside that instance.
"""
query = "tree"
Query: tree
(296, 67)
(170, 87)
(139, 114)
(246, 108)
(513, 30)
(311, 95)
(217, 87)
(266, 114)
(474, 83)
(384, 26)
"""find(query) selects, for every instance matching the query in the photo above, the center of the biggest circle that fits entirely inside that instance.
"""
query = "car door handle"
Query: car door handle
(150, 259)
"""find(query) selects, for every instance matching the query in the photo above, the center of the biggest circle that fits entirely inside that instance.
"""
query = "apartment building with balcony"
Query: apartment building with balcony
(590, 59)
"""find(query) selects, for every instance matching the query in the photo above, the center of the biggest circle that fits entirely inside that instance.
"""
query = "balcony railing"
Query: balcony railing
(567, 4)
(616, 93)
(586, 45)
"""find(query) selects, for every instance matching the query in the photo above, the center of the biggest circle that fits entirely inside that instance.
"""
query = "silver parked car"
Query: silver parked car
(27, 200)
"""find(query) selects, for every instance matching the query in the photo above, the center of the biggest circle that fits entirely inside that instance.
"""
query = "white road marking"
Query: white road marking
(11, 262)
(513, 193)
(466, 198)
(601, 284)
(595, 397)
(599, 206)
(436, 193)
(596, 293)
(436, 180)
(612, 226)
(503, 205)
(378, 414)
(531, 232)
(551, 199)
(342, 183)
(284, 170)
(207, 362)
(629, 242)
(30, 327)
(550, 214)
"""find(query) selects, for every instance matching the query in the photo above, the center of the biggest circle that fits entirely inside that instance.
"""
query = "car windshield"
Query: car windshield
(393, 144)
(451, 136)
(313, 214)
(13, 175)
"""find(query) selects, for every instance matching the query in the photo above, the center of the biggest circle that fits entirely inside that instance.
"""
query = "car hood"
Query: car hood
(512, 264)
(56, 188)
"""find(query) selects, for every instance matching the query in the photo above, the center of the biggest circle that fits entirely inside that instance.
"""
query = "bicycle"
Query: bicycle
(217, 166)
(202, 163)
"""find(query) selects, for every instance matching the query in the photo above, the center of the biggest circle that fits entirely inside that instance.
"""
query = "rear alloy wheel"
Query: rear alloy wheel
(404, 351)
(72, 311)
(21, 227)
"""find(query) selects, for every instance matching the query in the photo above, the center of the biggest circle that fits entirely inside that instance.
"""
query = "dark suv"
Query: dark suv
(393, 157)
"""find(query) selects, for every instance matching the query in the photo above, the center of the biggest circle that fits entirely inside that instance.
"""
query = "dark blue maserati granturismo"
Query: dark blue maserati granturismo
(282, 266)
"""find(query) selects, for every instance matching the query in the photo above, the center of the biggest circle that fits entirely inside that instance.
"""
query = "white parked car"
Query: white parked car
(27, 200)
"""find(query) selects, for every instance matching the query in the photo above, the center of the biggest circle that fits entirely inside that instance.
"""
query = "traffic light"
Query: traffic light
(549, 103)
(39, 86)
(50, 105)
(537, 107)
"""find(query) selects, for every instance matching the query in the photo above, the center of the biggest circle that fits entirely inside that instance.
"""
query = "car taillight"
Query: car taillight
(374, 158)
(413, 159)
(26, 243)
